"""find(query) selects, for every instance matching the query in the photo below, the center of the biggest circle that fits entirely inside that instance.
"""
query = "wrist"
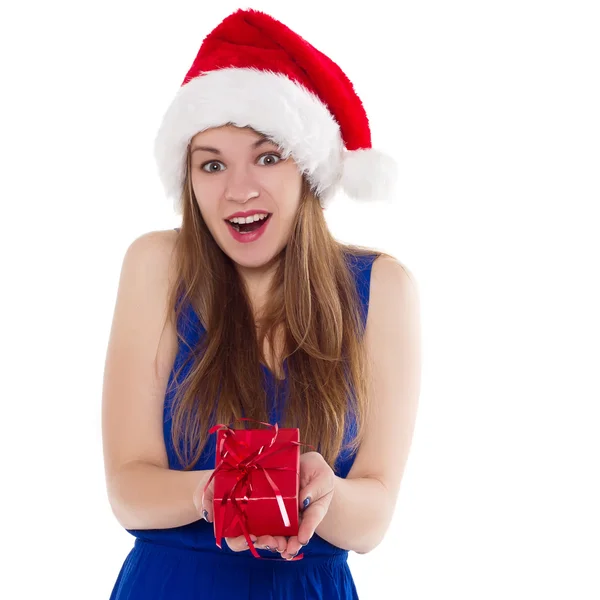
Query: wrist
(323, 525)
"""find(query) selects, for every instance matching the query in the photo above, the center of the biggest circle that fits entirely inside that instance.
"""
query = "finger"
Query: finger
(203, 501)
(316, 488)
(293, 547)
(280, 543)
(269, 542)
(305, 497)
(239, 544)
(311, 517)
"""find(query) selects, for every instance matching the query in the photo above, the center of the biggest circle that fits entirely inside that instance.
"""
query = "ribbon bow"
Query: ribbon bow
(234, 455)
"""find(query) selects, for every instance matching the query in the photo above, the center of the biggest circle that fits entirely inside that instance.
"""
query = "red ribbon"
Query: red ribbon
(234, 456)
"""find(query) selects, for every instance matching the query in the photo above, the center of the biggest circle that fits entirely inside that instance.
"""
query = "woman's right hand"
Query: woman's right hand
(277, 543)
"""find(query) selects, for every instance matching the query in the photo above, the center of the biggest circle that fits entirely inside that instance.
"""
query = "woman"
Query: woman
(269, 318)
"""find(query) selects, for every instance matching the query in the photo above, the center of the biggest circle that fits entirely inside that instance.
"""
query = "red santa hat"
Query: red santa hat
(252, 70)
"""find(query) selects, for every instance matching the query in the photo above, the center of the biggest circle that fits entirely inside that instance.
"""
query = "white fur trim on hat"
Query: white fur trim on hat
(369, 174)
(283, 110)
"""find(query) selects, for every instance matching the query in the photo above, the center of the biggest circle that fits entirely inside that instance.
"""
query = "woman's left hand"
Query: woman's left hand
(316, 485)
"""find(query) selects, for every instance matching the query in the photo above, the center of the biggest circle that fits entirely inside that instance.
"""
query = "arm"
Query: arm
(146, 496)
(358, 516)
(363, 504)
(143, 493)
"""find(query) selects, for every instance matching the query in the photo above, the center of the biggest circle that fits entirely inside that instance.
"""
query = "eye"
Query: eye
(271, 154)
(211, 162)
(273, 160)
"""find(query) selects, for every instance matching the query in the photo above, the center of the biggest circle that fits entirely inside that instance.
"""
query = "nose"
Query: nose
(240, 186)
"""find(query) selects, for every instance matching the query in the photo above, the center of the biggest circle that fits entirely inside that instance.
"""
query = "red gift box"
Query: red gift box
(256, 482)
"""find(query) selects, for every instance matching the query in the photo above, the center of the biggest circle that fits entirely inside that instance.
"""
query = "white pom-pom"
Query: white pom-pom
(369, 174)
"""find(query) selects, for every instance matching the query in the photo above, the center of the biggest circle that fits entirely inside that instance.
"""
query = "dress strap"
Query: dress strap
(361, 266)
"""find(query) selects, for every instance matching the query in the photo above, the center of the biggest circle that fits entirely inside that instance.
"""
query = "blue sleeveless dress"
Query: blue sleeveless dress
(184, 562)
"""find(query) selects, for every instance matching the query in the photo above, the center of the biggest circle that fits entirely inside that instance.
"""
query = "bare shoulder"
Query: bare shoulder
(150, 261)
(388, 273)
(393, 329)
(154, 248)
(390, 266)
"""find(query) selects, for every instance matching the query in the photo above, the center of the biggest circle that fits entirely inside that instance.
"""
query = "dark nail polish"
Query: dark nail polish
(205, 514)
(306, 502)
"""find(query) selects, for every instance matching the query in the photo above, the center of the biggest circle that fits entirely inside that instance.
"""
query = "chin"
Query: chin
(255, 259)
(250, 261)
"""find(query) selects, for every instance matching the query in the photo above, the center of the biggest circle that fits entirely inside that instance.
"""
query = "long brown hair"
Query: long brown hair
(313, 300)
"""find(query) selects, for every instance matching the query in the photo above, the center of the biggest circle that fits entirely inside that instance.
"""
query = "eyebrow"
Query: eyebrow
(262, 140)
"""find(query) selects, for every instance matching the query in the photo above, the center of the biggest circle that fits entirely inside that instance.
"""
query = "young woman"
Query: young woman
(264, 316)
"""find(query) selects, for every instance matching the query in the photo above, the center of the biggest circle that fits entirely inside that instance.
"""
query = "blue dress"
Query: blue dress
(184, 562)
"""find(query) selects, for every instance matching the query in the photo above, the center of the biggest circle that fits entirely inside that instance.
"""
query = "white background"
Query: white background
(491, 109)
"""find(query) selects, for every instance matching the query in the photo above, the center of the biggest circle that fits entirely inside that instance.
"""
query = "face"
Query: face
(238, 170)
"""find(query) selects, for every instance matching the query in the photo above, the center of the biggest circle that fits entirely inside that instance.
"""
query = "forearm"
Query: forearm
(358, 516)
(144, 496)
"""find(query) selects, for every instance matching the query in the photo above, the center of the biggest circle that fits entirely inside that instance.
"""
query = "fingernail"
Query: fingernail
(205, 514)
(268, 548)
(306, 502)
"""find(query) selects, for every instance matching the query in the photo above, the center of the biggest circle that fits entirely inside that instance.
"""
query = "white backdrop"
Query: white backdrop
(491, 109)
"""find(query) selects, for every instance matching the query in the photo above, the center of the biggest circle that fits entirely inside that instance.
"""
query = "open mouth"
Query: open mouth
(248, 227)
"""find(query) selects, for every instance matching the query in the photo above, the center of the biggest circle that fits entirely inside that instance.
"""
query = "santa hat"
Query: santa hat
(252, 70)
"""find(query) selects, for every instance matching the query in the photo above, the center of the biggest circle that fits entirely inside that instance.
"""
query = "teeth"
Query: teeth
(249, 219)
